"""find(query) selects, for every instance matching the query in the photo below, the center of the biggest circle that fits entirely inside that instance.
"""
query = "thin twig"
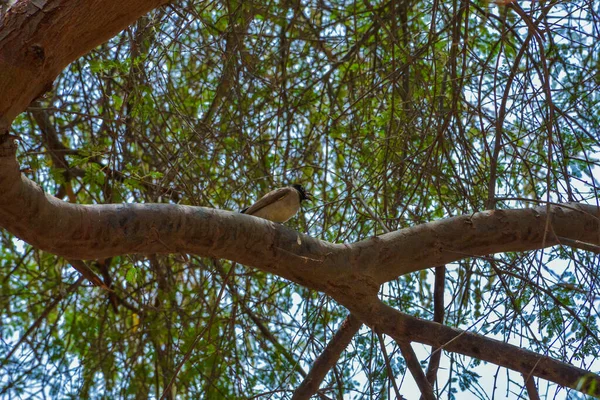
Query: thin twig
(88, 274)
(188, 354)
(39, 320)
(579, 244)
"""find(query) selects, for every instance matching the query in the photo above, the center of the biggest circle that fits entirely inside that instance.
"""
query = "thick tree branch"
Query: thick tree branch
(101, 231)
(343, 271)
(488, 232)
(404, 327)
(38, 39)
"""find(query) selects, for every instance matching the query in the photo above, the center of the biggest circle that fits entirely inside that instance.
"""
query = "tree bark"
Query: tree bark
(401, 327)
(38, 39)
(343, 271)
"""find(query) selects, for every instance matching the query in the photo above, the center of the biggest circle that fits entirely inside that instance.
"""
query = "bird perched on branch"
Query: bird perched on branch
(280, 204)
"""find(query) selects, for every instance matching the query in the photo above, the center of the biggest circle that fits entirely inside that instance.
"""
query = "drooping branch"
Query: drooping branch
(401, 327)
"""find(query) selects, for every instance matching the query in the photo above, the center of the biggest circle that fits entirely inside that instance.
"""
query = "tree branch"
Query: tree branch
(404, 327)
(579, 245)
(388, 366)
(531, 388)
(328, 358)
(344, 271)
(438, 316)
(39, 39)
(416, 371)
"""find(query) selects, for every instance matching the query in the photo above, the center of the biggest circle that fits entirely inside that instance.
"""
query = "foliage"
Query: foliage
(392, 113)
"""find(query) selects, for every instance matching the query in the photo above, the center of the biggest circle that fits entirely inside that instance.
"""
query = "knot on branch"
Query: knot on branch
(8, 144)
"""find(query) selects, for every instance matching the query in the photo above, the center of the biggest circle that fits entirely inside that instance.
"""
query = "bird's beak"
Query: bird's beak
(309, 196)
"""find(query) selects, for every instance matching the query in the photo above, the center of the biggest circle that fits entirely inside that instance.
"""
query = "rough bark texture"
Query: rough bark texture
(39, 38)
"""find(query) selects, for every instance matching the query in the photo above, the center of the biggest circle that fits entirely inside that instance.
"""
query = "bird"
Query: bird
(280, 204)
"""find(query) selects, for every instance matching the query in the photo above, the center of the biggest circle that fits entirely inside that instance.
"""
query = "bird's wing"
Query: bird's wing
(268, 199)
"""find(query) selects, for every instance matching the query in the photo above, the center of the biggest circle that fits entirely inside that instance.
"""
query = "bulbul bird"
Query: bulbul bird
(280, 204)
